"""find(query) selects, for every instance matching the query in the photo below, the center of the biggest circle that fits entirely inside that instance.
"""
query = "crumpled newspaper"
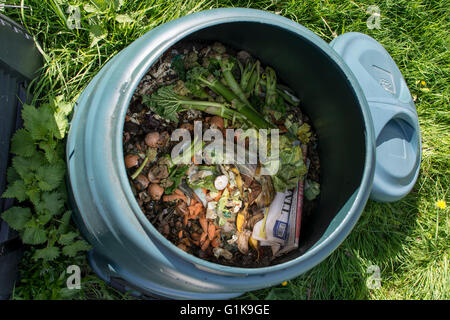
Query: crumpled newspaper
(280, 227)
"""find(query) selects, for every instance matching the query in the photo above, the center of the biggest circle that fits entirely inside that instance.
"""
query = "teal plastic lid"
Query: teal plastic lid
(398, 145)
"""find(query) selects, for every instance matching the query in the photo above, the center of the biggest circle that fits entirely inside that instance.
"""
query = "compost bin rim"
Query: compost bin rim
(150, 47)
(343, 229)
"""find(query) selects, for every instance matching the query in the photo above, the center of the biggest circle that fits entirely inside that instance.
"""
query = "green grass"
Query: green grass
(408, 239)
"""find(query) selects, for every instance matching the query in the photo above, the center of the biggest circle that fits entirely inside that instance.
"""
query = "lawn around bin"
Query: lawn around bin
(396, 251)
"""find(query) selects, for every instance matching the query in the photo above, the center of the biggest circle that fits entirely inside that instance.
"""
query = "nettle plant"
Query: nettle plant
(36, 180)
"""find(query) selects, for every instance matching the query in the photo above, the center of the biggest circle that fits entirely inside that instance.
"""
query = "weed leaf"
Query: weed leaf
(47, 254)
(71, 250)
(22, 144)
(17, 217)
(34, 235)
(17, 190)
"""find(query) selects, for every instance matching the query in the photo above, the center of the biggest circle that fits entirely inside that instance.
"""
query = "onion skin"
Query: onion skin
(131, 160)
(155, 191)
(152, 139)
(217, 122)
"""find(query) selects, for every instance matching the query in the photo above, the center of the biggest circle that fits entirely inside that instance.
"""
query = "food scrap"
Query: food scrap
(221, 209)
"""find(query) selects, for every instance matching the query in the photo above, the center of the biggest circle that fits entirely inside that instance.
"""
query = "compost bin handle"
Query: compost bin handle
(394, 116)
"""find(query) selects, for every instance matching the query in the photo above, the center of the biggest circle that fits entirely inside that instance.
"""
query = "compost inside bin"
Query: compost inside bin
(220, 156)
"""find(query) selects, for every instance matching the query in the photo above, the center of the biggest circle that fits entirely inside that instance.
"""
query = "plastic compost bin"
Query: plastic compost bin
(356, 97)
(19, 62)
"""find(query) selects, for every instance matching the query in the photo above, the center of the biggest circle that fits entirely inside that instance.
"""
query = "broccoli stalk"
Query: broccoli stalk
(288, 98)
(200, 75)
(193, 148)
(242, 104)
(253, 85)
(292, 100)
(226, 67)
(271, 87)
(150, 155)
(166, 103)
(219, 88)
(246, 76)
